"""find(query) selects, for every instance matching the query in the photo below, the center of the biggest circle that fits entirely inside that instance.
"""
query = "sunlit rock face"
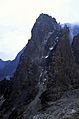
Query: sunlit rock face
(46, 80)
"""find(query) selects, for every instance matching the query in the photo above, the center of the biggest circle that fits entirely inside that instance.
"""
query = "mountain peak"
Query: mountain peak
(45, 19)
(43, 16)
(43, 25)
(47, 76)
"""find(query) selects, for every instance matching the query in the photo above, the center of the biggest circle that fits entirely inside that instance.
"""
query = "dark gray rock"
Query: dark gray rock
(46, 82)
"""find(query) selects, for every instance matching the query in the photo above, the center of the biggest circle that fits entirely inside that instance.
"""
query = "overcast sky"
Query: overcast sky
(18, 16)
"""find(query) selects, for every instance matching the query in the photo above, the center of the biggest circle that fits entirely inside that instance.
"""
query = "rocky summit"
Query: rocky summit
(45, 84)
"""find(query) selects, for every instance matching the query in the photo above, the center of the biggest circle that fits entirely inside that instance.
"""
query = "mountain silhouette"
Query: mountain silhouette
(45, 84)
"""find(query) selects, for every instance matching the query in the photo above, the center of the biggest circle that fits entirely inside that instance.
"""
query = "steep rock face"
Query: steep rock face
(28, 77)
(33, 59)
(62, 70)
(75, 47)
(59, 80)
(46, 74)
(5, 87)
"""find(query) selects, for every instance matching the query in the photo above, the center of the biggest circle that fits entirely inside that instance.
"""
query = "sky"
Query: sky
(18, 16)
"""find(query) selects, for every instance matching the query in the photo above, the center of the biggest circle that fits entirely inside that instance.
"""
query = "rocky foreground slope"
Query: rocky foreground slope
(46, 82)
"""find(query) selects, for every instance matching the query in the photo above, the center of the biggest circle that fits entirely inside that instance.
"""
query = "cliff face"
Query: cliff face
(62, 69)
(34, 58)
(46, 76)
(75, 47)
